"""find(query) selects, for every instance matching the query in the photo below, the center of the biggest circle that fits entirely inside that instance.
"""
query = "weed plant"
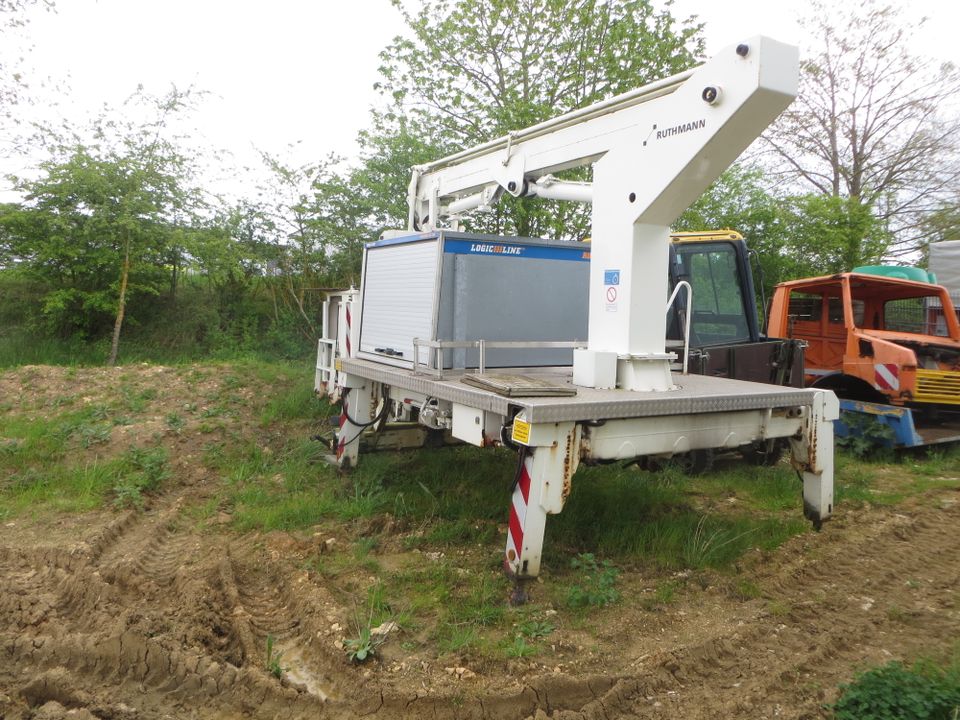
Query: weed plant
(596, 586)
(142, 471)
(537, 629)
(520, 648)
(364, 646)
(365, 643)
(273, 660)
(923, 691)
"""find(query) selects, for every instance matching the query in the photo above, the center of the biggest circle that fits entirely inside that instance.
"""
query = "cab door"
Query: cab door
(815, 315)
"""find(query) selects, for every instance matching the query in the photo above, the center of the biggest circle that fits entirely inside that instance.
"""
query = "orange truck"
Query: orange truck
(889, 346)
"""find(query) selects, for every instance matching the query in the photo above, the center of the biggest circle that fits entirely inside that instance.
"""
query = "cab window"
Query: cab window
(719, 314)
(806, 307)
(912, 315)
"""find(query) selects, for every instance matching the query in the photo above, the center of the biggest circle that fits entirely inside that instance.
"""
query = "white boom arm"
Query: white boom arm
(654, 151)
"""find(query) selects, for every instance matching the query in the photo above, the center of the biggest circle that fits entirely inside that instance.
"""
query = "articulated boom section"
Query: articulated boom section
(653, 152)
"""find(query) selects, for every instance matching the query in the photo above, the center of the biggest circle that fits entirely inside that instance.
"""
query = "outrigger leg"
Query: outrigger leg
(813, 457)
(543, 481)
(355, 415)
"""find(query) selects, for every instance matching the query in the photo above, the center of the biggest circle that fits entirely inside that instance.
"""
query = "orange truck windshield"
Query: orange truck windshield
(917, 314)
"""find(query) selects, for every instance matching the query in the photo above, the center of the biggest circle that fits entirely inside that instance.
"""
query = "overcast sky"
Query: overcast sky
(295, 71)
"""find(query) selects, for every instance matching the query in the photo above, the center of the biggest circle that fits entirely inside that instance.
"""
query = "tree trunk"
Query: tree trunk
(121, 307)
(173, 276)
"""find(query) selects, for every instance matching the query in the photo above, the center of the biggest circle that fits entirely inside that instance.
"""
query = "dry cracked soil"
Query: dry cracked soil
(145, 613)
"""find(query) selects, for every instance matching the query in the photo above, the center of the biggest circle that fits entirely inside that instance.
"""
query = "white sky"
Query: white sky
(296, 71)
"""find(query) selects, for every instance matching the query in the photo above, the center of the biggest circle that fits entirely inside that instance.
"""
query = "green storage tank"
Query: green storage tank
(901, 272)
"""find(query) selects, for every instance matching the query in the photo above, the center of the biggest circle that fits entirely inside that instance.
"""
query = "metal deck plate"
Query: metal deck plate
(694, 394)
(519, 385)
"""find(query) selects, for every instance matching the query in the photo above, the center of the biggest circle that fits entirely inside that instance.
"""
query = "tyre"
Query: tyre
(765, 452)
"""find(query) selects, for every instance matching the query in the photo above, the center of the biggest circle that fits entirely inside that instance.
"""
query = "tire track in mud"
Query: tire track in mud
(95, 616)
(42, 582)
(264, 602)
(836, 610)
(152, 613)
(116, 571)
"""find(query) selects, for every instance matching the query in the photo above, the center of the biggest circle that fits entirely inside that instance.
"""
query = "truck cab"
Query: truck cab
(725, 335)
(874, 338)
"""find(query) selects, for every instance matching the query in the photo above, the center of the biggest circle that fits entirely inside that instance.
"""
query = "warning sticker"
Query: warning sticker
(521, 431)
(611, 279)
(338, 365)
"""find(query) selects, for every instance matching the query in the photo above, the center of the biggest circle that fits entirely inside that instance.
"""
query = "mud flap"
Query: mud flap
(813, 456)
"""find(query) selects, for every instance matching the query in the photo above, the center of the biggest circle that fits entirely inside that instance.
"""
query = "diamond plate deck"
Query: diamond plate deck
(694, 394)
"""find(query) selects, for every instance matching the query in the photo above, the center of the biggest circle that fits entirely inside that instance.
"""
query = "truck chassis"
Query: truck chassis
(553, 435)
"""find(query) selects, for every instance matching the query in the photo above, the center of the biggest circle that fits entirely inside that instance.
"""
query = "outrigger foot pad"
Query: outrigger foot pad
(519, 594)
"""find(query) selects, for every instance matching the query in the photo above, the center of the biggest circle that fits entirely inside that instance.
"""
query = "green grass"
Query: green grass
(296, 402)
(890, 481)
(292, 487)
(663, 595)
(22, 348)
(770, 489)
(623, 514)
(452, 500)
(62, 487)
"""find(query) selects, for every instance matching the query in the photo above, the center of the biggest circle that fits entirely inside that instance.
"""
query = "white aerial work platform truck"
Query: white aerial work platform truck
(555, 348)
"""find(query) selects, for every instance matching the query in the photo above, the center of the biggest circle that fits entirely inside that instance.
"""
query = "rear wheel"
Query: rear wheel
(765, 452)
(695, 462)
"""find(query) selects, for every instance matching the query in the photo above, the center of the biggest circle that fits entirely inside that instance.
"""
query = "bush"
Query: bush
(895, 692)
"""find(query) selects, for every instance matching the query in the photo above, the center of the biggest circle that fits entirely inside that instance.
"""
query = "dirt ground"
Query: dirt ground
(149, 614)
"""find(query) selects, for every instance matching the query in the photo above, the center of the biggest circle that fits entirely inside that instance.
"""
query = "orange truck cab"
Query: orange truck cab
(874, 339)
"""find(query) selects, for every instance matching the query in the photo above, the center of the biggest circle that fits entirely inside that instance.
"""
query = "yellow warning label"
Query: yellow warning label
(521, 431)
(338, 365)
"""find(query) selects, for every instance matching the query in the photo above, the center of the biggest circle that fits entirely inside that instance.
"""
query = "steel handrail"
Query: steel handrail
(686, 323)
(440, 345)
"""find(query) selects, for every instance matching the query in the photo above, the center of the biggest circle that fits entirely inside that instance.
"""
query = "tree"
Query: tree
(472, 70)
(738, 200)
(791, 236)
(944, 222)
(106, 221)
(825, 234)
(869, 124)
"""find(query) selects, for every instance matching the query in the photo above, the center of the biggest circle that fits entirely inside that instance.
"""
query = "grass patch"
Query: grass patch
(626, 515)
(293, 488)
(663, 595)
(61, 487)
(460, 497)
(768, 489)
(295, 402)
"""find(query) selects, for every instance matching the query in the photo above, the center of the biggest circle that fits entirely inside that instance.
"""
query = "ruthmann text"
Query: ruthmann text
(678, 129)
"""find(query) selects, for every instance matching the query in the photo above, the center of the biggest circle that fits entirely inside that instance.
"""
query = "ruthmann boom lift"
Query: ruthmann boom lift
(475, 336)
